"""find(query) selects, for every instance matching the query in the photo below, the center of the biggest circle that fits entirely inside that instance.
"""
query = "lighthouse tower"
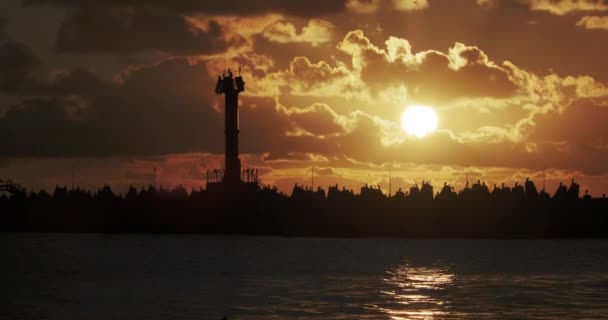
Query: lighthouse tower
(232, 178)
(231, 87)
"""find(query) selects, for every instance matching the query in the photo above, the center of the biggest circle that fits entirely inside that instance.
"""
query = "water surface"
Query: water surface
(63, 276)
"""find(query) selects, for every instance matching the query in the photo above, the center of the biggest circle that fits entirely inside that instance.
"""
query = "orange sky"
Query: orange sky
(117, 88)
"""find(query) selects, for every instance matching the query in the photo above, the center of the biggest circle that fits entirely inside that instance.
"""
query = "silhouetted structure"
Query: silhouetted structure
(237, 202)
(475, 211)
(231, 178)
(10, 187)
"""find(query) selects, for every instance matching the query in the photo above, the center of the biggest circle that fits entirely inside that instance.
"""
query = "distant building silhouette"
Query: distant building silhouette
(10, 187)
(519, 211)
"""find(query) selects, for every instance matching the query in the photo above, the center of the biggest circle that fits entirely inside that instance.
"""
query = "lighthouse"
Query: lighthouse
(231, 175)
(231, 87)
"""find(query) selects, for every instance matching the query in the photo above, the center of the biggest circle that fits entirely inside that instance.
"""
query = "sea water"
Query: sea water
(94, 276)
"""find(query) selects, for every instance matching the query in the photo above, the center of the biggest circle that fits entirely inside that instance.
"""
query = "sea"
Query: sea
(102, 276)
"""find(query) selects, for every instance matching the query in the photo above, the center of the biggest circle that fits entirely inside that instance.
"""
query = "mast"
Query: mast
(154, 178)
(389, 182)
(544, 179)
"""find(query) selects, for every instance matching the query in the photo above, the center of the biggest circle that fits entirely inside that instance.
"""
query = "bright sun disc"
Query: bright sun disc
(419, 121)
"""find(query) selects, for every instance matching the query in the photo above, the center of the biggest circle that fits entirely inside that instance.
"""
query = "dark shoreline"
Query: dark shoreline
(474, 213)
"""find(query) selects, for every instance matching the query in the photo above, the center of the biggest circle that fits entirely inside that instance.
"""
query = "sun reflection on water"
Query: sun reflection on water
(415, 292)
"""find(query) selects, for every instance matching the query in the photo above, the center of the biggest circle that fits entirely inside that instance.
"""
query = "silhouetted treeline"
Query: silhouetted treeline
(476, 211)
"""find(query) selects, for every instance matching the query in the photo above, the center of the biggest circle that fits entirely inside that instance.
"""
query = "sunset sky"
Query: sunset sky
(116, 88)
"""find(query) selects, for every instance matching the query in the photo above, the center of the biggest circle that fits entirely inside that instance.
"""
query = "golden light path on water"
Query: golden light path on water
(415, 292)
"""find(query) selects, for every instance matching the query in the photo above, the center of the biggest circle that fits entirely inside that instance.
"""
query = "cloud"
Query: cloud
(503, 104)
(316, 32)
(284, 157)
(4, 163)
(317, 120)
(593, 22)
(563, 7)
(372, 6)
(410, 5)
(41, 126)
(465, 71)
(325, 172)
(363, 6)
(320, 79)
(75, 82)
(487, 3)
(141, 114)
(17, 62)
(566, 126)
(97, 29)
(3, 22)
(301, 8)
(471, 74)
(332, 108)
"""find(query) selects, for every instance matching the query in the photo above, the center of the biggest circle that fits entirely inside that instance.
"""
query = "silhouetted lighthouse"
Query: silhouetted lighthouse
(231, 87)
(231, 179)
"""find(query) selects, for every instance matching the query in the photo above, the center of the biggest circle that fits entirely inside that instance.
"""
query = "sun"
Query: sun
(419, 120)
